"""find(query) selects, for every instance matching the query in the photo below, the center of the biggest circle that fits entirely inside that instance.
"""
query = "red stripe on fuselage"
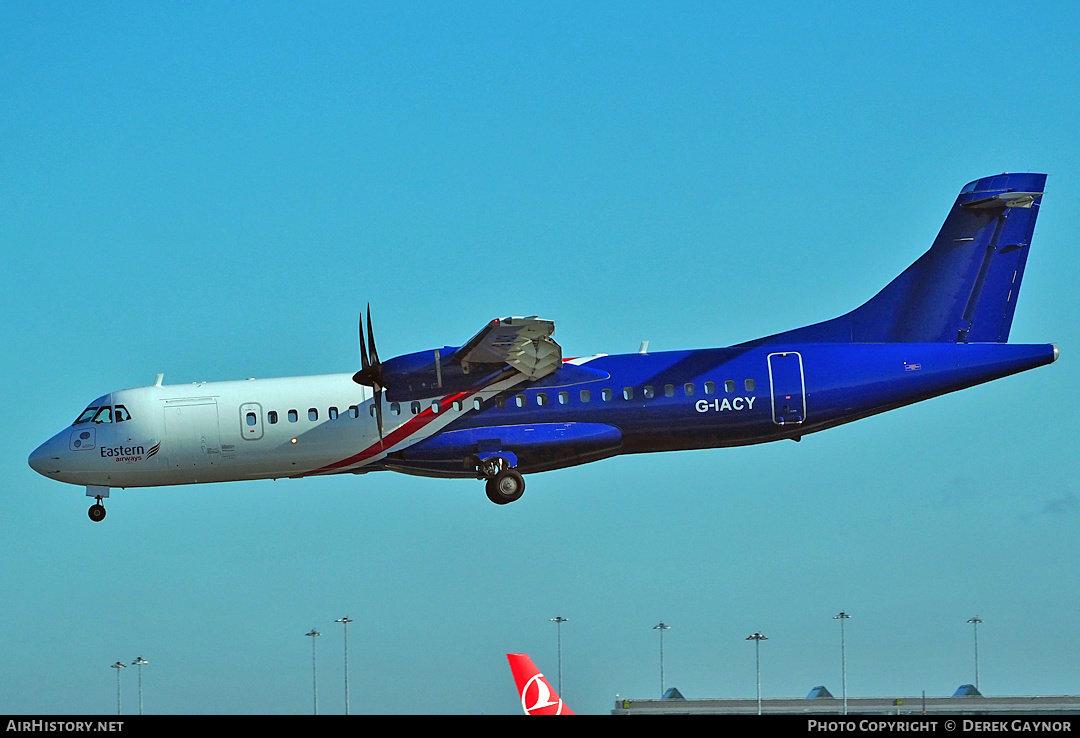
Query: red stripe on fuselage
(397, 436)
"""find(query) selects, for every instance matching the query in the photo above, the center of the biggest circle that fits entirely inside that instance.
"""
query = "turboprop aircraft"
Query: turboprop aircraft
(507, 403)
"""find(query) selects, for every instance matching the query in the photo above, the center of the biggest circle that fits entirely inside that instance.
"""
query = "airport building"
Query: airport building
(966, 701)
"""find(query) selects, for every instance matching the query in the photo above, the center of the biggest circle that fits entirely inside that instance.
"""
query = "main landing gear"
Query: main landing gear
(507, 486)
(504, 483)
(97, 511)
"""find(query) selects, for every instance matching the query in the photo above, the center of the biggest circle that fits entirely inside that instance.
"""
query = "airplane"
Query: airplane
(537, 695)
(507, 403)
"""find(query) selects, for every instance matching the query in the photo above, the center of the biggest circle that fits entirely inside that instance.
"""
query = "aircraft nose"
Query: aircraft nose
(41, 459)
(37, 459)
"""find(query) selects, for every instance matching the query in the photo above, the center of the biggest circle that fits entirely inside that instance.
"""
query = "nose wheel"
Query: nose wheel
(96, 511)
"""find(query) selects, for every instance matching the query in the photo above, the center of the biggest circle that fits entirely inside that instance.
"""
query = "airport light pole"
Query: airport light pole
(843, 655)
(139, 663)
(661, 627)
(118, 666)
(975, 625)
(757, 638)
(559, 620)
(314, 673)
(345, 626)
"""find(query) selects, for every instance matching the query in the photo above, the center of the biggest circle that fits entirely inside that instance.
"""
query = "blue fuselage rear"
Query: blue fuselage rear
(636, 403)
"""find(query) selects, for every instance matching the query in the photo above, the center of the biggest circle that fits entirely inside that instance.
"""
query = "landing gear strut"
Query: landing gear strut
(97, 511)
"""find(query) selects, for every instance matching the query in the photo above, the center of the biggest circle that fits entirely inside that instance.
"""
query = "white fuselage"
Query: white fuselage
(213, 432)
(247, 429)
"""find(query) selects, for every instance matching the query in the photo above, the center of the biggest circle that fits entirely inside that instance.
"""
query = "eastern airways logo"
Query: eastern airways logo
(129, 454)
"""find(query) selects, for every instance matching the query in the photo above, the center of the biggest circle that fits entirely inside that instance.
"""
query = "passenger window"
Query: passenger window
(293, 416)
(688, 389)
(749, 384)
(457, 405)
(120, 414)
(271, 417)
(414, 406)
(519, 400)
(312, 414)
(628, 393)
(564, 398)
(669, 390)
(477, 403)
(729, 386)
(585, 395)
(332, 413)
(648, 392)
(251, 419)
(710, 388)
(500, 403)
(541, 399)
(395, 408)
(354, 410)
(371, 409)
(605, 394)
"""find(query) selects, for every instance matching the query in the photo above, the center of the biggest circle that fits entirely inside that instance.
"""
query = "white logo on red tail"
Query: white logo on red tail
(540, 702)
(537, 696)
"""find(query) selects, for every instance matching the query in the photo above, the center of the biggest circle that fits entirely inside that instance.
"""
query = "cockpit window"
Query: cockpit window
(86, 415)
(103, 414)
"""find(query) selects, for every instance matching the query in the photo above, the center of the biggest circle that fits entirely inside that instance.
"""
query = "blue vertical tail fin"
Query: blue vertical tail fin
(962, 290)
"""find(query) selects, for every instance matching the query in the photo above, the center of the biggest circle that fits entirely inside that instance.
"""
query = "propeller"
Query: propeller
(370, 374)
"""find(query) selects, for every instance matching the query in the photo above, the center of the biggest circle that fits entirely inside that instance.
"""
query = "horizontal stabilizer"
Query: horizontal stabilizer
(1004, 200)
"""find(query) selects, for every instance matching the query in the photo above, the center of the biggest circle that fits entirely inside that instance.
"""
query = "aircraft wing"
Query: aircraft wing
(523, 343)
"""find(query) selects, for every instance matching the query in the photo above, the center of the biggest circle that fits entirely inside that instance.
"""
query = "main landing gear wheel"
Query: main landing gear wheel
(97, 511)
(506, 486)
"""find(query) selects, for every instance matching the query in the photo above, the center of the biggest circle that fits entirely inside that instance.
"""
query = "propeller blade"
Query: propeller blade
(371, 341)
(370, 374)
(363, 348)
(378, 411)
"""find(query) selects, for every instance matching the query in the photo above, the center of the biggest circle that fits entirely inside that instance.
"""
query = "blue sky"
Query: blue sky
(215, 191)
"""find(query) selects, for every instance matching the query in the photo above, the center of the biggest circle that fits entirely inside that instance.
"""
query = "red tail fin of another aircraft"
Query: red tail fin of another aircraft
(537, 695)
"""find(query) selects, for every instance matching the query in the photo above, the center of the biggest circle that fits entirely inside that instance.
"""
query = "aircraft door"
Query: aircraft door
(191, 428)
(251, 424)
(788, 388)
